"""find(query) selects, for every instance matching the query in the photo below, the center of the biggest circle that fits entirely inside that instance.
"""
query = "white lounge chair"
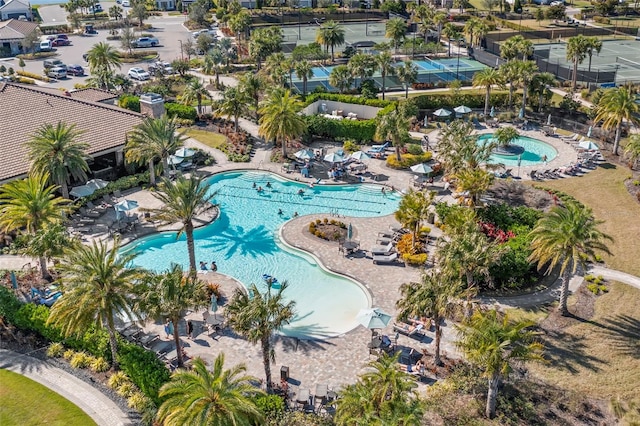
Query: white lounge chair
(393, 257)
(382, 250)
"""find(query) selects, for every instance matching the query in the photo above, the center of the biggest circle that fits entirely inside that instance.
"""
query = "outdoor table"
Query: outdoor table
(214, 320)
(321, 391)
(303, 397)
(350, 246)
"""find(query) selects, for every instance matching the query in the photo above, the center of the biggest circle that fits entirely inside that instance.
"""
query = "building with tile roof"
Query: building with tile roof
(12, 32)
(25, 108)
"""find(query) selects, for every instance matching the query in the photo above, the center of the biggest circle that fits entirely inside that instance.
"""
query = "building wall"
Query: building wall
(364, 111)
(13, 10)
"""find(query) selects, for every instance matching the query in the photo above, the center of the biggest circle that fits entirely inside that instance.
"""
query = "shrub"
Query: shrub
(350, 146)
(68, 354)
(130, 102)
(34, 318)
(55, 350)
(348, 99)
(99, 365)
(116, 379)
(185, 112)
(33, 75)
(405, 246)
(415, 149)
(144, 369)
(468, 99)
(408, 160)
(138, 401)
(597, 288)
(9, 305)
(81, 360)
(359, 131)
(415, 259)
(589, 278)
(126, 389)
(270, 405)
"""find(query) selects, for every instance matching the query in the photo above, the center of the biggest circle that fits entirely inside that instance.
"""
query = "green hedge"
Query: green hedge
(468, 99)
(357, 100)
(144, 369)
(185, 112)
(122, 184)
(130, 102)
(361, 131)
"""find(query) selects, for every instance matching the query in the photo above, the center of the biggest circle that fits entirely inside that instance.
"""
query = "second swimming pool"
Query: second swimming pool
(244, 243)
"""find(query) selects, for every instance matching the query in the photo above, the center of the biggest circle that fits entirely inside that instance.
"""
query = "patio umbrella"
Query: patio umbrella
(588, 145)
(174, 159)
(349, 232)
(521, 113)
(421, 168)
(442, 112)
(589, 131)
(304, 154)
(333, 158)
(185, 152)
(123, 206)
(97, 183)
(214, 303)
(462, 109)
(373, 318)
(549, 120)
(359, 156)
(492, 113)
(81, 191)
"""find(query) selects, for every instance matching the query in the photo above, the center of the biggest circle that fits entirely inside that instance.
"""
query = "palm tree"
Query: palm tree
(216, 397)
(470, 28)
(394, 126)
(341, 78)
(577, 48)
(434, 297)
(475, 182)
(413, 209)
(395, 29)
(526, 72)
(361, 65)
(304, 71)
(154, 138)
(183, 200)
(275, 68)
(213, 60)
(55, 150)
(234, 103)
(98, 282)
(48, 243)
(407, 74)
(258, 317)
(487, 78)
(330, 35)
(31, 205)
(195, 91)
(510, 72)
(252, 85)
(516, 47)
(506, 135)
(451, 32)
(439, 20)
(494, 343)
(540, 85)
(170, 295)
(632, 150)
(384, 62)
(458, 148)
(593, 44)
(614, 108)
(279, 118)
(103, 58)
(563, 238)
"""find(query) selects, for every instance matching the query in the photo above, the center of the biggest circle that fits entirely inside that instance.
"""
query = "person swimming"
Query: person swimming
(260, 189)
(300, 191)
(268, 185)
(280, 212)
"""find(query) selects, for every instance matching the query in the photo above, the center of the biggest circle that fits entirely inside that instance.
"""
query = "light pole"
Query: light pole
(458, 66)
(181, 51)
(366, 18)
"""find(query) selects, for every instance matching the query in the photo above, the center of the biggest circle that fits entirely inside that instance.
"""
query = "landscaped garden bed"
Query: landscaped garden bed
(328, 229)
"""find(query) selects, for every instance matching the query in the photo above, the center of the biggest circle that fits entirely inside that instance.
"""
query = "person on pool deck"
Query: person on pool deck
(254, 184)
(203, 266)
(214, 267)
(268, 184)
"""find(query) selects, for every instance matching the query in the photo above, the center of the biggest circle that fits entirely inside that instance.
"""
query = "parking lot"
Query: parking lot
(167, 29)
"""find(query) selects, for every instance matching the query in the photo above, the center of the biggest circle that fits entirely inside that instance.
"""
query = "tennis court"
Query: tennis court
(620, 55)
(305, 33)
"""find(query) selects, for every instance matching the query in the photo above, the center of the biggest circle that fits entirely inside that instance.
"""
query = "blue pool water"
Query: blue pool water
(244, 243)
(534, 152)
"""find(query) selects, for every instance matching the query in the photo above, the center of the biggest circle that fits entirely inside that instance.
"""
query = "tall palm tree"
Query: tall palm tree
(234, 103)
(439, 20)
(516, 47)
(279, 118)
(30, 205)
(593, 44)
(563, 238)
(304, 71)
(407, 74)
(487, 78)
(632, 150)
(394, 126)
(506, 135)
(154, 138)
(434, 297)
(396, 29)
(195, 91)
(361, 65)
(540, 85)
(451, 32)
(103, 59)
(510, 73)
(614, 108)
(55, 150)
(183, 200)
(459, 150)
(213, 61)
(98, 283)
(384, 62)
(258, 317)
(470, 28)
(212, 397)
(275, 68)
(577, 48)
(330, 35)
(252, 84)
(475, 182)
(170, 295)
(413, 210)
(494, 343)
(526, 72)
(341, 78)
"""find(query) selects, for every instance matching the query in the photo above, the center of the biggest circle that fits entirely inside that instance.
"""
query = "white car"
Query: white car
(138, 74)
(125, 3)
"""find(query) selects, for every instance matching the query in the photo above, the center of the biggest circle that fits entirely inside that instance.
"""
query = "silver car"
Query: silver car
(138, 74)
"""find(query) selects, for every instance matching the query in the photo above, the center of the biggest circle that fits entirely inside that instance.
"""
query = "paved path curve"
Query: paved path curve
(98, 406)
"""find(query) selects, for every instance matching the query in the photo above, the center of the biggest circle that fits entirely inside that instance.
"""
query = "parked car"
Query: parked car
(125, 3)
(75, 69)
(57, 72)
(97, 8)
(60, 42)
(50, 63)
(159, 66)
(138, 74)
(46, 46)
(146, 42)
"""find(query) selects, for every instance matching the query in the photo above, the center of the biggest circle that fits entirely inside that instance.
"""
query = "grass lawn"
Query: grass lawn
(603, 191)
(25, 402)
(211, 139)
(598, 357)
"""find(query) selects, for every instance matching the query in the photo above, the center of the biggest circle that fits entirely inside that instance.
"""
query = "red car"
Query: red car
(60, 42)
(76, 70)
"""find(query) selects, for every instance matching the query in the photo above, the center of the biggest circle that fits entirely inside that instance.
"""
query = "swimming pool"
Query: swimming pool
(244, 243)
(534, 151)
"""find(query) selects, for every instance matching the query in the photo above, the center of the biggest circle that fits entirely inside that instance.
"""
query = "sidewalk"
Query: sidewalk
(98, 406)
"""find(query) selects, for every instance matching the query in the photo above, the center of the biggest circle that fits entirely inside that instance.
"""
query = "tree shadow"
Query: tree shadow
(623, 333)
(607, 166)
(233, 240)
(567, 351)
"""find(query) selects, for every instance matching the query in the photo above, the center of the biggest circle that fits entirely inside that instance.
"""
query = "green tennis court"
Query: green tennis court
(305, 33)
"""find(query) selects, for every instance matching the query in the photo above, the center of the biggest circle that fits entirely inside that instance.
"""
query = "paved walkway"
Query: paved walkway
(90, 400)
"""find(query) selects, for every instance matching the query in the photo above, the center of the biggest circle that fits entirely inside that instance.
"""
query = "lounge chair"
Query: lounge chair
(379, 148)
(382, 250)
(574, 136)
(393, 257)
(409, 330)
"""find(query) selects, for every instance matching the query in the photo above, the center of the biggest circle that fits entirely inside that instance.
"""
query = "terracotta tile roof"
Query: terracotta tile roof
(26, 108)
(93, 95)
(15, 30)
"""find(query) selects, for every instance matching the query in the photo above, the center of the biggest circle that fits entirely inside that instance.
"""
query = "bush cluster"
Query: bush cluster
(130, 102)
(144, 369)
(359, 131)
(408, 160)
(314, 229)
(33, 75)
(122, 184)
(184, 112)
